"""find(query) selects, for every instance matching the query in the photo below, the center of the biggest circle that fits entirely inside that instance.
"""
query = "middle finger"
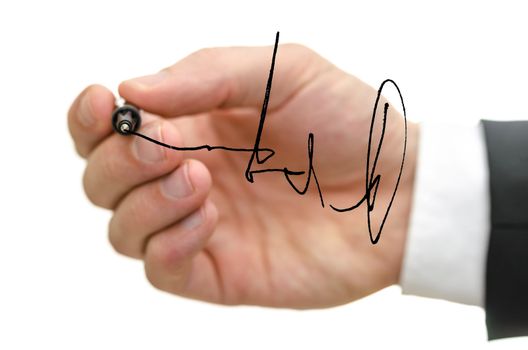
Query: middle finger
(122, 162)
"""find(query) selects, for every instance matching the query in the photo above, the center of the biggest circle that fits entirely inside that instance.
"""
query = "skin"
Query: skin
(229, 241)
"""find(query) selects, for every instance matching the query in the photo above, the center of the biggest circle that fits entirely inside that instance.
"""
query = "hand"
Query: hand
(201, 229)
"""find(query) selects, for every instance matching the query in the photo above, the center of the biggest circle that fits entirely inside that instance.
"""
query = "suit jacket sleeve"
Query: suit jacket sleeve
(506, 293)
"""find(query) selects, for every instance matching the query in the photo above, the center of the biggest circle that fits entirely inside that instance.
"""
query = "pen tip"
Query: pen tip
(124, 127)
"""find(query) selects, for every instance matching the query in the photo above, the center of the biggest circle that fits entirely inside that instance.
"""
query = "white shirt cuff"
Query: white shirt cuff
(447, 242)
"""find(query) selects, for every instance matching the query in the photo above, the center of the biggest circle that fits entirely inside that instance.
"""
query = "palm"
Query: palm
(273, 246)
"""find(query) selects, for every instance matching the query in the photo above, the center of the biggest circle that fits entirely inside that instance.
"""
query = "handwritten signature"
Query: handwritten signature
(372, 179)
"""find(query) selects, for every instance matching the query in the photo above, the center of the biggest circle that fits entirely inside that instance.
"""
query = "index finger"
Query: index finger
(89, 118)
(224, 77)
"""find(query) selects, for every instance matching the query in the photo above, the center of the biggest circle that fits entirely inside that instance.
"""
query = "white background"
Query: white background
(62, 286)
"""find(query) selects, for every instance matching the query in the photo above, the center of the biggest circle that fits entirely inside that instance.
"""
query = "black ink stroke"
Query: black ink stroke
(372, 181)
(256, 148)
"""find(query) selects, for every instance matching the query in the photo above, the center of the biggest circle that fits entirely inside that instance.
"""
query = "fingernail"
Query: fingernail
(148, 151)
(148, 81)
(85, 113)
(194, 220)
(178, 185)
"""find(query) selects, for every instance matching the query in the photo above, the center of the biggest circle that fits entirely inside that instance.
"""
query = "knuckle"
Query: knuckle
(166, 257)
(87, 92)
(153, 277)
(297, 48)
(92, 90)
(81, 150)
(95, 196)
(73, 111)
(206, 53)
(166, 268)
(117, 244)
(114, 236)
(117, 236)
(160, 256)
(90, 193)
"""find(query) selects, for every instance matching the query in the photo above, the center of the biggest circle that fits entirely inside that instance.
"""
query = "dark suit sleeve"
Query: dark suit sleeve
(506, 300)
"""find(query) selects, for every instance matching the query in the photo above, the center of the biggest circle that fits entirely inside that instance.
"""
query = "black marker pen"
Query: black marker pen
(126, 119)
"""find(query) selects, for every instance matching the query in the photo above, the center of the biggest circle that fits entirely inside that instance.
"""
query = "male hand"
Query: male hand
(205, 232)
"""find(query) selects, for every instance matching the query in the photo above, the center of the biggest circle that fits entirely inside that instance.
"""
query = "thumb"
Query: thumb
(224, 77)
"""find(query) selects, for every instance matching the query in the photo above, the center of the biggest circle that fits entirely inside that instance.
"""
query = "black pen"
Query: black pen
(126, 119)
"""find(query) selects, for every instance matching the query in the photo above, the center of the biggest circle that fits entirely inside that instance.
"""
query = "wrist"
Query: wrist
(404, 199)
